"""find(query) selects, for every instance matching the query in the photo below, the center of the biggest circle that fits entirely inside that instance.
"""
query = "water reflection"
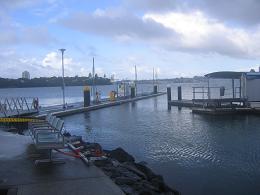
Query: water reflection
(197, 154)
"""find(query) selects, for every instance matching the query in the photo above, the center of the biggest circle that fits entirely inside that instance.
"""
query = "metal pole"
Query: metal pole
(93, 79)
(135, 80)
(63, 83)
(153, 76)
(208, 90)
(156, 79)
(233, 88)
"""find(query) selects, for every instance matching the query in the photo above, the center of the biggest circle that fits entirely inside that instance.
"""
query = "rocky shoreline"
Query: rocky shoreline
(132, 177)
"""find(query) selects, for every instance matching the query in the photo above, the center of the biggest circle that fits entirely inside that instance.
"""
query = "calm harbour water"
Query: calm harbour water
(196, 154)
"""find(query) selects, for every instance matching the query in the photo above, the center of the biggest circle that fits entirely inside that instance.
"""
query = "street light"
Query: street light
(63, 83)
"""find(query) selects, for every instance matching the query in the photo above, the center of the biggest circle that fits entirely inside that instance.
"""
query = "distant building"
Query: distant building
(26, 75)
(112, 78)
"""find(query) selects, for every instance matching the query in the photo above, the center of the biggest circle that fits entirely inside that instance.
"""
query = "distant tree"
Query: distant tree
(105, 75)
(96, 75)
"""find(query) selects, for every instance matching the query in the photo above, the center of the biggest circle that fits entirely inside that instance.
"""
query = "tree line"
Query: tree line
(53, 82)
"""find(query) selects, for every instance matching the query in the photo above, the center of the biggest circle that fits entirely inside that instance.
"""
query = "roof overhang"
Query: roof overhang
(225, 75)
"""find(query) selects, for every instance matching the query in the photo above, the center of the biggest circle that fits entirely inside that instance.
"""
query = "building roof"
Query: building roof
(225, 75)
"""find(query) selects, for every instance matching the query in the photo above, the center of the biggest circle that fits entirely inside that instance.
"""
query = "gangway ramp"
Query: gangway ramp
(18, 106)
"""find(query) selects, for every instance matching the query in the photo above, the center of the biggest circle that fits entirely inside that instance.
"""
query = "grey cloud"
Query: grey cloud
(213, 44)
(242, 11)
(154, 5)
(239, 11)
(16, 4)
(123, 25)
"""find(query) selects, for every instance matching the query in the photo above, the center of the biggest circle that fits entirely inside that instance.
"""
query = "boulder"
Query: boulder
(125, 181)
(121, 155)
(131, 167)
(148, 172)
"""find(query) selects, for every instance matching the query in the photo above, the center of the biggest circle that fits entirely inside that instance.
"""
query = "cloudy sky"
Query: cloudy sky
(176, 37)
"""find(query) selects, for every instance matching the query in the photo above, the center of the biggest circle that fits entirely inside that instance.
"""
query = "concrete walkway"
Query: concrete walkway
(19, 174)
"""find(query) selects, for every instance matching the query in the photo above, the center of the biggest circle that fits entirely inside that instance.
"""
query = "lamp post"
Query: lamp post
(63, 83)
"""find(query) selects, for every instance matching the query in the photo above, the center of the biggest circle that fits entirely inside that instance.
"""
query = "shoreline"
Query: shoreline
(132, 177)
(120, 167)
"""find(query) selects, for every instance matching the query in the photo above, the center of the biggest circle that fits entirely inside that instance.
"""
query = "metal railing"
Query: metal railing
(18, 105)
(206, 92)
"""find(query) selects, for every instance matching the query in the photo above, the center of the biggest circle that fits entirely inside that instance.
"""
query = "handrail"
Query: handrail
(17, 105)
(207, 90)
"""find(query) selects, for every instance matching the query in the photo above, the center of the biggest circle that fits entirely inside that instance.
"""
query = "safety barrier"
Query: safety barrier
(11, 106)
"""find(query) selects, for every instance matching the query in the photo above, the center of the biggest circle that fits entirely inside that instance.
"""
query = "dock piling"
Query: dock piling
(179, 93)
(86, 96)
(155, 89)
(169, 97)
(133, 92)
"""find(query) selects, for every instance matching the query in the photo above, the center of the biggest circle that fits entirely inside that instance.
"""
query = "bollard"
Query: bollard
(155, 89)
(169, 97)
(179, 93)
(132, 92)
(86, 96)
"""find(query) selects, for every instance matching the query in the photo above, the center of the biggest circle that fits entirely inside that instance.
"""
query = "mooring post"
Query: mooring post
(155, 89)
(86, 96)
(179, 93)
(169, 97)
(133, 92)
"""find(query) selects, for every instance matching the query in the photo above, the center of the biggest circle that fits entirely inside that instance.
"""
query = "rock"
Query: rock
(146, 192)
(127, 189)
(115, 163)
(148, 172)
(157, 182)
(147, 185)
(103, 163)
(143, 163)
(121, 155)
(125, 180)
(131, 167)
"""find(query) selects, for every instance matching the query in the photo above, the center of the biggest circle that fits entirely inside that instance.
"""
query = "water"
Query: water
(196, 154)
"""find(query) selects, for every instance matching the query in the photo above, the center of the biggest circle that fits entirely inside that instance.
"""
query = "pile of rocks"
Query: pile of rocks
(132, 177)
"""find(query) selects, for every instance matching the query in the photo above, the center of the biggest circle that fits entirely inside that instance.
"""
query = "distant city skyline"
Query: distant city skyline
(179, 38)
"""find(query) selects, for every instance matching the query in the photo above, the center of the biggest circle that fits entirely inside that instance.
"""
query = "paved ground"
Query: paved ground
(18, 172)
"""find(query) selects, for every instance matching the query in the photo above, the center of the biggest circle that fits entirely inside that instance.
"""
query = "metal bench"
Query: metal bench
(48, 136)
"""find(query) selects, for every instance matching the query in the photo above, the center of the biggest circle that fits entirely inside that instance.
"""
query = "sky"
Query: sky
(178, 38)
